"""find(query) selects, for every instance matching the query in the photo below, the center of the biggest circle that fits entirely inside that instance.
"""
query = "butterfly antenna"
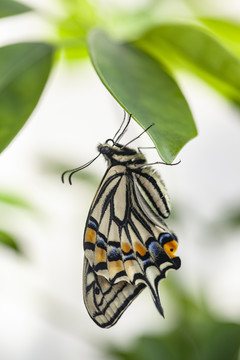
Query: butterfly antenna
(137, 137)
(125, 128)
(124, 118)
(73, 171)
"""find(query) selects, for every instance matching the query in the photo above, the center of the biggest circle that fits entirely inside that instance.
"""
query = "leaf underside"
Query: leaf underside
(145, 89)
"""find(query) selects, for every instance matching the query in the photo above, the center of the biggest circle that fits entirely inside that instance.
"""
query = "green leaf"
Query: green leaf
(9, 241)
(10, 8)
(195, 49)
(144, 88)
(24, 70)
(227, 32)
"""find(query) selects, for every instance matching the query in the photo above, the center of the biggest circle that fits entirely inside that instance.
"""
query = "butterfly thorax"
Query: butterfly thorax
(118, 154)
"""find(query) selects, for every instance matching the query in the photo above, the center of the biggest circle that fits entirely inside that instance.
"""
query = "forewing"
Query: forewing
(104, 229)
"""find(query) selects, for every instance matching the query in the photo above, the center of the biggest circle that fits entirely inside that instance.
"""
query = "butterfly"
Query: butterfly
(127, 244)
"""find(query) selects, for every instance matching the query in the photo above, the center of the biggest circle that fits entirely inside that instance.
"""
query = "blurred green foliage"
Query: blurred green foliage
(212, 341)
(8, 240)
(229, 220)
(80, 17)
(195, 49)
(10, 8)
(14, 201)
(197, 335)
(227, 32)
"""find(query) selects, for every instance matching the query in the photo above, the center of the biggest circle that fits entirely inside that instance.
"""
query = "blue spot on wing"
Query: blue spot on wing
(147, 262)
(101, 243)
(92, 223)
(156, 252)
(114, 255)
(129, 257)
(155, 249)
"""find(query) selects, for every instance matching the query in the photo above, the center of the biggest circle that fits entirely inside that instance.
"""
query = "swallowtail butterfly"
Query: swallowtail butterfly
(127, 244)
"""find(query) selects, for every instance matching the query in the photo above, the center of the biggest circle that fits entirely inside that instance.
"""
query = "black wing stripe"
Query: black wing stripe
(122, 308)
(152, 189)
(109, 197)
(142, 220)
(104, 186)
(117, 276)
(151, 200)
(100, 266)
(89, 246)
(110, 302)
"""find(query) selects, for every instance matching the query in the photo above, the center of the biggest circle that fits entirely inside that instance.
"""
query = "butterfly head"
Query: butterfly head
(119, 154)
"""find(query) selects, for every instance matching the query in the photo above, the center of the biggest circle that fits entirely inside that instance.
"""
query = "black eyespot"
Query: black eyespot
(165, 238)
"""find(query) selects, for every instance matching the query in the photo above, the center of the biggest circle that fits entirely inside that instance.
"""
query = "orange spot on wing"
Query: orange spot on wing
(140, 248)
(170, 248)
(100, 255)
(90, 235)
(115, 267)
(126, 247)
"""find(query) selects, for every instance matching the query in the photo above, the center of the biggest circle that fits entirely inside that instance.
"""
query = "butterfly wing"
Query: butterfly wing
(122, 252)
(151, 194)
(104, 301)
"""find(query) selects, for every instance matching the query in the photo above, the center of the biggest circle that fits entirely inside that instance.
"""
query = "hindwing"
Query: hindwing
(122, 250)
(105, 301)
